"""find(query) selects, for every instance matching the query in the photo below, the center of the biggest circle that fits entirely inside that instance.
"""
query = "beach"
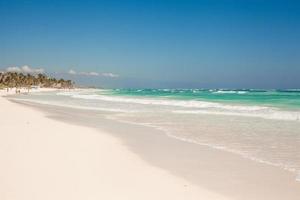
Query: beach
(42, 158)
(150, 100)
(59, 152)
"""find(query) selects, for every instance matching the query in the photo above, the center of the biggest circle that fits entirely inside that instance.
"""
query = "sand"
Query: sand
(41, 158)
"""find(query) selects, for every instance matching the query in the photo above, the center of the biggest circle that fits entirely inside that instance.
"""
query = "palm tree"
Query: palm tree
(14, 79)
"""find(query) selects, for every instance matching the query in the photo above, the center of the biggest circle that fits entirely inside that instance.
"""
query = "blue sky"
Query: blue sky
(167, 43)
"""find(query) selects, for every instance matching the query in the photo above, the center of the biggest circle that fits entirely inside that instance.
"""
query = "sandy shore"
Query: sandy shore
(43, 158)
(224, 173)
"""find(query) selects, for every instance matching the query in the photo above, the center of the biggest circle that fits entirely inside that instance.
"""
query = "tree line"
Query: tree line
(15, 79)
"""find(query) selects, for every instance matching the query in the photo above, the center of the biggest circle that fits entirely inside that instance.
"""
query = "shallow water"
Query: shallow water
(262, 126)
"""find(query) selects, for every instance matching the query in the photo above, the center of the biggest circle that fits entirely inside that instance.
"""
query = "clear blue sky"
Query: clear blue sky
(239, 44)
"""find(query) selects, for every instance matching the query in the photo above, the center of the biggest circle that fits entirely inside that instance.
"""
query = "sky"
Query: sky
(164, 44)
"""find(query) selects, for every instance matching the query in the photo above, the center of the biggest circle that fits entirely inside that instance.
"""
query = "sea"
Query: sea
(256, 124)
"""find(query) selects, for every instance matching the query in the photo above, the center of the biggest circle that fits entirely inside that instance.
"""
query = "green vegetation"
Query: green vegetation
(14, 79)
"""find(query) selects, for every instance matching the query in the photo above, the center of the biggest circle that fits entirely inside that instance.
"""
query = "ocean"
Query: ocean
(259, 125)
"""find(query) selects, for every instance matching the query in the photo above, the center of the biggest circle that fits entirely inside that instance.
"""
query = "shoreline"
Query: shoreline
(42, 158)
(214, 170)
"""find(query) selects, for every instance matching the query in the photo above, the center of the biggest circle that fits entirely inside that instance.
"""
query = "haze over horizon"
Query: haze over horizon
(163, 44)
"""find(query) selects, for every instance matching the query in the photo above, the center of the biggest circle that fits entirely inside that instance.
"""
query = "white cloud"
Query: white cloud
(13, 69)
(93, 74)
(72, 72)
(88, 73)
(25, 69)
(111, 75)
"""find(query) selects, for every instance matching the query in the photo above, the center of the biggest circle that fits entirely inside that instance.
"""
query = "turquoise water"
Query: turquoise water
(274, 98)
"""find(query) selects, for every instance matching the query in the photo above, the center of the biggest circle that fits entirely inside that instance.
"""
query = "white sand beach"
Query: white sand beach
(149, 100)
(41, 158)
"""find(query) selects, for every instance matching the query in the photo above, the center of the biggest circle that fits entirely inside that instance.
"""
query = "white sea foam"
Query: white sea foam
(169, 102)
(66, 93)
(269, 114)
(229, 92)
(197, 107)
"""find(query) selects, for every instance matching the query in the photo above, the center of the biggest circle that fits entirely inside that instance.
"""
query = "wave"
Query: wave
(229, 92)
(169, 102)
(197, 107)
(296, 91)
(270, 114)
